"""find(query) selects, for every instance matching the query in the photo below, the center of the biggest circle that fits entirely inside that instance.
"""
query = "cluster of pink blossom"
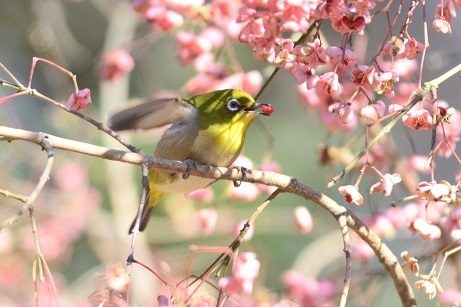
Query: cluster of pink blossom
(115, 64)
(244, 272)
(333, 80)
(308, 291)
(166, 15)
(200, 49)
(345, 89)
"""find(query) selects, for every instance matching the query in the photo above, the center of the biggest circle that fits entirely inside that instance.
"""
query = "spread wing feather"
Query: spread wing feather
(150, 114)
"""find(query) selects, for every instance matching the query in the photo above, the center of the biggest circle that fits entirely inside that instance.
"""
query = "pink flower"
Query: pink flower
(383, 82)
(71, 176)
(411, 263)
(190, 47)
(351, 21)
(308, 291)
(340, 57)
(443, 191)
(246, 191)
(332, 121)
(115, 64)
(80, 100)
(14, 272)
(208, 219)
(163, 19)
(362, 250)
(418, 119)
(216, 78)
(205, 195)
(284, 56)
(303, 219)
(441, 25)
(311, 54)
(395, 46)
(418, 163)
(223, 12)
(413, 48)
(426, 230)
(305, 75)
(343, 110)
(432, 191)
(452, 221)
(406, 68)
(117, 278)
(458, 175)
(386, 184)
(314, 98)
(294, 15)
(6, 242)
(455, 235)
(352, 194)
(330, 83)
(270, 166)
(383, 225)
(252, 81)
(446, 10)
(363, 75)
(397, 216)
(394, 108)
(450, 297)
(373, 111)
(245, 270)
(430, 285)
(215, 36)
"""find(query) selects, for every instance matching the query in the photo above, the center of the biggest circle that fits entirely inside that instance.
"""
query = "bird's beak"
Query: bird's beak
(260, 108)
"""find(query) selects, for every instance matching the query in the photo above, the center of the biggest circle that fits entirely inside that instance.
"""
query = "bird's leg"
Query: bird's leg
(190, 165)
(244, 171)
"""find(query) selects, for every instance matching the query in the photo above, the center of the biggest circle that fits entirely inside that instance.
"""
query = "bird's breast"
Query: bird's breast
(218, 145)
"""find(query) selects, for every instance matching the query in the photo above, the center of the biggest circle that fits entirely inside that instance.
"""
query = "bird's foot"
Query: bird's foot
(191, 164)
(244, 171)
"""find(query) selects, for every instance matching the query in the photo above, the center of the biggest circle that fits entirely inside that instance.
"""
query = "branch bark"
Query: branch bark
(284, 183)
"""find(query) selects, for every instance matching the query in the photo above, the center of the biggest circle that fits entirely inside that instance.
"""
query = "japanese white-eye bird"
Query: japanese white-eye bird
(206, 129)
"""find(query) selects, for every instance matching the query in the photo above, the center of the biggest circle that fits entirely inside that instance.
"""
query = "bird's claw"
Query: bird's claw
(244, 171)
(190, 165)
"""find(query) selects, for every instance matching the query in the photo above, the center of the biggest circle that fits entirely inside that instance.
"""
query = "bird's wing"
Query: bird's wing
(150, 114)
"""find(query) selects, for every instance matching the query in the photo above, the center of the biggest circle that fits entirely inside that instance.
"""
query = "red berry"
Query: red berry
(442, 111)
(267, 109)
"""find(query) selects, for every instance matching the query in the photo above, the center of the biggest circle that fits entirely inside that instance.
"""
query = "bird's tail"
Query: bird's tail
(154, 197)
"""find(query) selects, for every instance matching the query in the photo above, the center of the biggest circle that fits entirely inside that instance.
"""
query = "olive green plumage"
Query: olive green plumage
(208, 129)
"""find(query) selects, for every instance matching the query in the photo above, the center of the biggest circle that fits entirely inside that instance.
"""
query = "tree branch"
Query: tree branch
(283, 182)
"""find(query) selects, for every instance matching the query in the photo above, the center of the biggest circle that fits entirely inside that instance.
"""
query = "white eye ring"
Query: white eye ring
(233, 105)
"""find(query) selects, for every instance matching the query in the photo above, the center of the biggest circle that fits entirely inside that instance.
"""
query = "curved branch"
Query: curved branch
(283, 182)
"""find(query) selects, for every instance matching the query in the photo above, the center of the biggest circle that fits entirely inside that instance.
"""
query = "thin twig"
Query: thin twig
(99, 125)
(347, 251)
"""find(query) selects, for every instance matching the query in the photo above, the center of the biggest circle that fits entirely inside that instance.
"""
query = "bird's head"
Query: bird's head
(228, 107)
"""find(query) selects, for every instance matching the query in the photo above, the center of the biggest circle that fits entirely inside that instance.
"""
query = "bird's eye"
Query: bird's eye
(233, 105)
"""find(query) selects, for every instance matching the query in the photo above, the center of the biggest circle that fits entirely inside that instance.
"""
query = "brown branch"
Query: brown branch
(283, 182)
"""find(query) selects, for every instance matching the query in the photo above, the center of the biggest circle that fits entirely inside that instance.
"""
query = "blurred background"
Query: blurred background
(86, 208)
